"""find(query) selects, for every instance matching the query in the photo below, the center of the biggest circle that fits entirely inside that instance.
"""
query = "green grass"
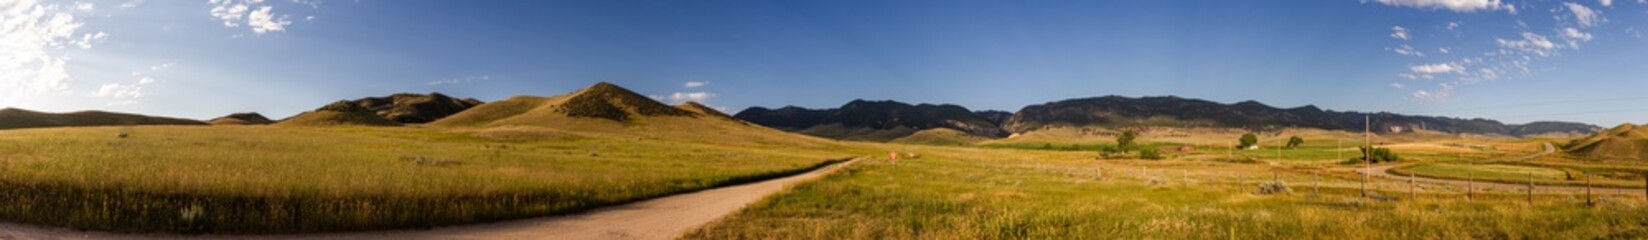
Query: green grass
(283, 179)
(1518, 173)
(955, 193)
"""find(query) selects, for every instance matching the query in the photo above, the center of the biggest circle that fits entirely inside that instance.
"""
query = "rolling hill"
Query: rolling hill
(414, 108)
(12, 118)
(1624, 142)
(340, 113)
(246, 118)
(607, 109)
(873, 120)
(1117, 111)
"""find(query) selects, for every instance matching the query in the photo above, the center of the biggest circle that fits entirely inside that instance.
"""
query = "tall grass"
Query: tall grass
(975, 194)
(272, 179)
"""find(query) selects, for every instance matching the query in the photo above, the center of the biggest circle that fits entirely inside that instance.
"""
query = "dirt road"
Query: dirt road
(1384, 172)
(661, 218)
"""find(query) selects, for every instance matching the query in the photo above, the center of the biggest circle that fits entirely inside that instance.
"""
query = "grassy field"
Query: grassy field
(281, 179)
(960, 193)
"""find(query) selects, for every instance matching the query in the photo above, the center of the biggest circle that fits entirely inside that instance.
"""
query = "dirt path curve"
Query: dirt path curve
(1384, 172)
(661, 218)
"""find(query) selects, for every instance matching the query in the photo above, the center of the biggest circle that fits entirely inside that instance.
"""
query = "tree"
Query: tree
(1294, 141)
(1125, 141)
(1248, 140)
(1378, 155)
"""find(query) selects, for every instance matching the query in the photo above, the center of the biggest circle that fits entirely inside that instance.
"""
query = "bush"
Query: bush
(1248, 140)
(1150, 153)
(1378, 155)
(1273, 187)
(1294, 141)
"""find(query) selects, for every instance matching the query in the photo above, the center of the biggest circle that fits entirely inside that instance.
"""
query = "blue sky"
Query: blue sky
(1515, 61)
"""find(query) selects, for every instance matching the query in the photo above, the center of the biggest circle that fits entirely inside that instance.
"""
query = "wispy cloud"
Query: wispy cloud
(681, 97)
(696, 84)
(258, 15)
(1439, 68)
(1586, 16)
(459, 80)
(1453, 5)
(1398, 32)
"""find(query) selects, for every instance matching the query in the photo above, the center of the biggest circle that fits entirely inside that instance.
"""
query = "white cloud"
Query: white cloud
(83, 6)
(1606, 3)
(120, 91)
(256, 14)
(131, 4)
(1406, 50)
(1398, 32)
(1586, 16)
(262, 21)
(700, 97)
(1530, 42)
(696, 84)
(32, 35)
(1411, 76)
(1398, 85)
(1444, 50)
(1574, 37)
(1438, 68)
(1453, 25)
(145, 80)
(459, 80)
(1453, 5)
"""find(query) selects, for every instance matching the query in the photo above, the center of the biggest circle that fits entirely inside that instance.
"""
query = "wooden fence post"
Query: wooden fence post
(1470, 186)
(1530, 189)
(1588, 200)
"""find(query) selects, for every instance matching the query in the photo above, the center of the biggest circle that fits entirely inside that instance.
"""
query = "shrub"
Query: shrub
(1273, 187)
(1150, 153)
(1294, 141)
(1248, 140)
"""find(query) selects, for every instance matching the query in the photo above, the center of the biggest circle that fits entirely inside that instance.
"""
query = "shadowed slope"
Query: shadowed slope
(340, 113)
(246, 118)
(11, 118)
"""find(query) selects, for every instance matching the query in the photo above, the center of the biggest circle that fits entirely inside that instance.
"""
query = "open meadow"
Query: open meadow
(260, 179)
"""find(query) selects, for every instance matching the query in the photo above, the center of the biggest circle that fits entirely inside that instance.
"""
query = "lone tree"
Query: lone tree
(1125, 141)
(1294, 142)
(1248, 140)
(1378, 155)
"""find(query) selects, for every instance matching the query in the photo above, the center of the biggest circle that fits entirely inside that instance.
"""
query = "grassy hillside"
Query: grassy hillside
(942, 137)
(12, 118)
(1625, 142)
(299, 179)
(337, 118)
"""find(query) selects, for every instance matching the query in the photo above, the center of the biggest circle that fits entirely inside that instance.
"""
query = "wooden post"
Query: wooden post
(1588, 201)
(1317, 189)
(1470, 185)
(1412, 188)
(1367, 140)
(1530, 188)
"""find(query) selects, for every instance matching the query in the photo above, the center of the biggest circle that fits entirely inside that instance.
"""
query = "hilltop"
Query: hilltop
(607, 109)
(12, 118)
(245, 118)
(340, 113)
(1624, 142)
(414, 108)
(873, 120)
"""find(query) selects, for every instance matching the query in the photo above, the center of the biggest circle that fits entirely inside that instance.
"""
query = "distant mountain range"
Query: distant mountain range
(874, 120)
(882, 117)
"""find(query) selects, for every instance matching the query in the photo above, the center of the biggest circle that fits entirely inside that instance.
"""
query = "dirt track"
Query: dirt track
(661, 218)
(1384, 172)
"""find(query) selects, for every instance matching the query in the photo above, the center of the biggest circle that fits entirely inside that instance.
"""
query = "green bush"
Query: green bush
(1125, 141)
(1248, 140)
(1150, 153)
(1378, 155)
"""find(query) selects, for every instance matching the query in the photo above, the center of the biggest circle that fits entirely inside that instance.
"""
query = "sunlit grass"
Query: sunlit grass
(274, 179)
